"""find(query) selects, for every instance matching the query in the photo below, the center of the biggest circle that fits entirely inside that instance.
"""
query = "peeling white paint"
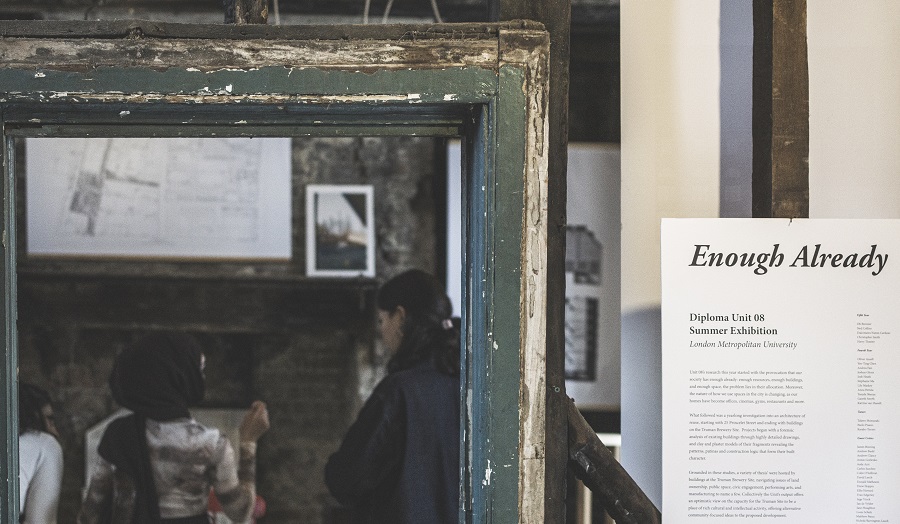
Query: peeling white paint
(39, 75)
(234, 70)
(241, 122)
(124, 113)
(206, 95)
(413, 96)
(354, 98)
(193, 69)
(450, 97)
(496, 346)
(487, 475)
(229, 88)
(35, 120)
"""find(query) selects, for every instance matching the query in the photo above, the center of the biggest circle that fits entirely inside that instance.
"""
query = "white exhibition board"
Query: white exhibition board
(780, 370)
(159, 197)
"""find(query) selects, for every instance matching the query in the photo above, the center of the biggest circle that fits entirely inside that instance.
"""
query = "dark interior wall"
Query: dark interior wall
(305, 346)
(594, 78)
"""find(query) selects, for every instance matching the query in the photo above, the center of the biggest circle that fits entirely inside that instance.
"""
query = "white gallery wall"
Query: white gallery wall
(854, 109)
(671, 136)
(670, 168)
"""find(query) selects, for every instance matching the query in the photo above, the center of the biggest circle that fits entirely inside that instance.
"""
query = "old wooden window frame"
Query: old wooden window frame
(484, 82)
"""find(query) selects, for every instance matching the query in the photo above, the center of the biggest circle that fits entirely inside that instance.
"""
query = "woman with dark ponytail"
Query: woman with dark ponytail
(399, 462)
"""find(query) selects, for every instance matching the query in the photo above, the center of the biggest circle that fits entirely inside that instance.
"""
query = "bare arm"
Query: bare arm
(42, 498)
(238, 501)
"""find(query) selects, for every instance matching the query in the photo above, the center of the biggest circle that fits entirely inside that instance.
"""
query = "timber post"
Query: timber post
(246, 11)
(780, 110)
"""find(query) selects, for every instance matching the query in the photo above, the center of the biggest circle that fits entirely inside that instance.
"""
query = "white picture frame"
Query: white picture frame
(340, 231)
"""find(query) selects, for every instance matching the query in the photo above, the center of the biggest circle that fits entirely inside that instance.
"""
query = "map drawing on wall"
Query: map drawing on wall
(159, 197)
(340, 231)
(582, 315)
(583, 257)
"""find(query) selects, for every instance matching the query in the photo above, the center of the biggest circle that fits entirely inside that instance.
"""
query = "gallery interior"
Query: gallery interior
(659, 124)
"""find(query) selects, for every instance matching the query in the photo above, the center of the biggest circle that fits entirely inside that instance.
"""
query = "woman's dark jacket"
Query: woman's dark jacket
(399, 462)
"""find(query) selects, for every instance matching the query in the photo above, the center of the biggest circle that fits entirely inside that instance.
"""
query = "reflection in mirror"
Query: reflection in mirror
(307, 346)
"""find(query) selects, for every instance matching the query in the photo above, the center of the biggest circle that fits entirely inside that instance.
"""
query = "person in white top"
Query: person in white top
(158, 464)
(40, 457)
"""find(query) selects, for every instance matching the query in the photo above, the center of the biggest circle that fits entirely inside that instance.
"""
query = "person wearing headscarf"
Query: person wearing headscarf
(399, 461)
(40, 457)
(157, 465)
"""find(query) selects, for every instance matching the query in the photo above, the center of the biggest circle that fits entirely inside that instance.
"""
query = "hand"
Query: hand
(255, 423)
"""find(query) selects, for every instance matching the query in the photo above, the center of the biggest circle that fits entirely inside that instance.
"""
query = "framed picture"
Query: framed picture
(340, 231)
(183, 198)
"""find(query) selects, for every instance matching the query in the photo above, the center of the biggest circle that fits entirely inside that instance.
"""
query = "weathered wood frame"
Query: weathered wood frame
(485, 82)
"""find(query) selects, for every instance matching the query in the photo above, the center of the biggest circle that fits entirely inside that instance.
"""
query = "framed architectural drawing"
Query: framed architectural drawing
(159, 197)
(340, 233)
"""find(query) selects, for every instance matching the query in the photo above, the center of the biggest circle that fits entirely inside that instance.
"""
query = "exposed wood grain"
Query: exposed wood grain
(209, 55)
(555, 15)
(780, 109)
(596, 466)
(531, 51)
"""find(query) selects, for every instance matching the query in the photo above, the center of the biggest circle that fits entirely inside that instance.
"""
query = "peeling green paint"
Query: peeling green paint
(467, 84)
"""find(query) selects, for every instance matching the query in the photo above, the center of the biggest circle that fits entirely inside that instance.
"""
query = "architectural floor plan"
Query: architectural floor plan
(159, 196)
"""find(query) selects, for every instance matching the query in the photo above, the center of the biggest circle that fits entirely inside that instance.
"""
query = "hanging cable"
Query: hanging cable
(437, 13)
(277, 12)
(387, 11)
(366, 11)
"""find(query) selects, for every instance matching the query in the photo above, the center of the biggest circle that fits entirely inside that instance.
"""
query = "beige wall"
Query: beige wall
(670, 168)
(670, 130)
(854, 105)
